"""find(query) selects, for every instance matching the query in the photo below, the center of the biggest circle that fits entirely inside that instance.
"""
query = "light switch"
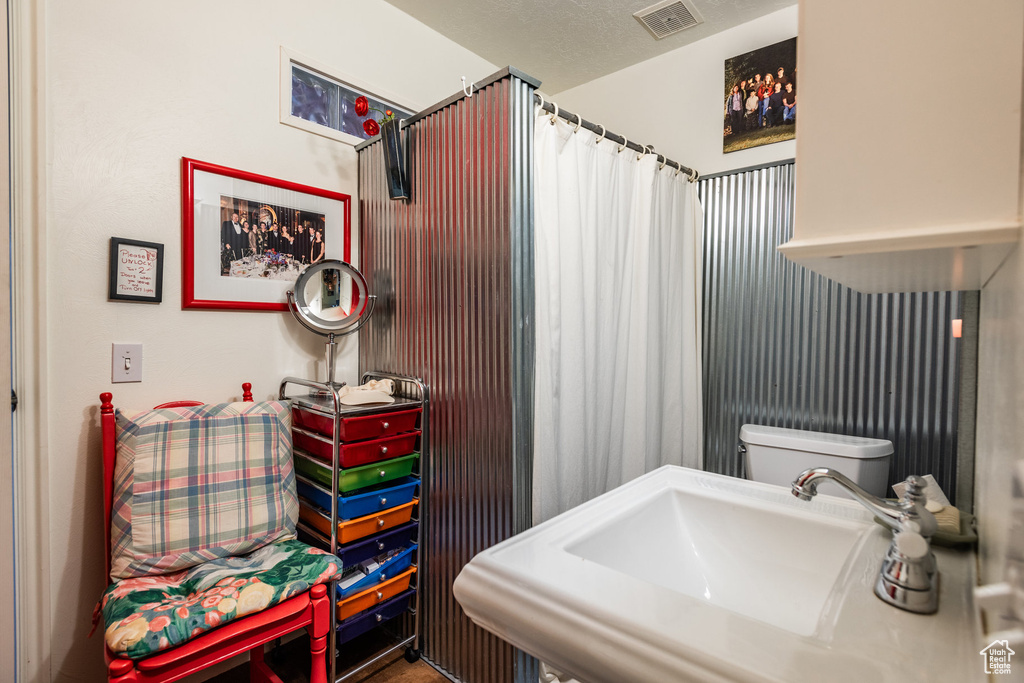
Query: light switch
(126, 364)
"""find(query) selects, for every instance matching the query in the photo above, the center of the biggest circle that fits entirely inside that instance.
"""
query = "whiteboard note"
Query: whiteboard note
(136, 271)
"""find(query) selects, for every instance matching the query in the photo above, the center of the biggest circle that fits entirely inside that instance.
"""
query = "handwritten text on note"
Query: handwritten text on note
(136, 270)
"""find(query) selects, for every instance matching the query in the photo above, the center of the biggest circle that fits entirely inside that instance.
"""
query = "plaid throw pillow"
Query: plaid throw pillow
(197, 483)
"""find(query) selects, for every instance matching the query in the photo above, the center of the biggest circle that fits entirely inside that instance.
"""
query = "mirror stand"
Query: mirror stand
(332, 349)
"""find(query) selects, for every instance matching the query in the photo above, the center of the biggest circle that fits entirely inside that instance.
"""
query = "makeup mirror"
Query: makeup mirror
(331, 299)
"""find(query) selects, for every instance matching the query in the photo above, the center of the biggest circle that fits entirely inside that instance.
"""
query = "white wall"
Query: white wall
(1000, 426)
(130, 88)
(674, 101)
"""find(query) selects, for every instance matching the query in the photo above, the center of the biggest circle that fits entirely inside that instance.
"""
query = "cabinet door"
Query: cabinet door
(908, 141)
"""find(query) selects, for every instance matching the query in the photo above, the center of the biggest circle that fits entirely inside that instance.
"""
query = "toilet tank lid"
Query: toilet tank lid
(816, 442)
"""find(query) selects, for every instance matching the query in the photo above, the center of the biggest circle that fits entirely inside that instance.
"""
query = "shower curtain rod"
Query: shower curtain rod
(597, 128)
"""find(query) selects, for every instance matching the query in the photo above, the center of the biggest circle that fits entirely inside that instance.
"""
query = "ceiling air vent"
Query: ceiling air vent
(665, 18)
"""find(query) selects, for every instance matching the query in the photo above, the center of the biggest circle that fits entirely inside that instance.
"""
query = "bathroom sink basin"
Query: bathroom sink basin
(757, 558)
(684, 575)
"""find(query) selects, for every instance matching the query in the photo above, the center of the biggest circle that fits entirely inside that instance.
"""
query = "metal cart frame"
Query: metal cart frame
(408, 387)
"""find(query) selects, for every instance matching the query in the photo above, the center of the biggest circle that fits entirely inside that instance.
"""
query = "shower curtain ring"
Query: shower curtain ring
(603, 131)
(554, 114)
(694, 175)
(663, 162)
(645, 152)
(579, 122)
(469, 91)
(541, 100)
(625, 143)
(679, 168)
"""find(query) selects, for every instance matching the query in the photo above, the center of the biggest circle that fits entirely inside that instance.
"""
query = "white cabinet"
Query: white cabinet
(908, 172)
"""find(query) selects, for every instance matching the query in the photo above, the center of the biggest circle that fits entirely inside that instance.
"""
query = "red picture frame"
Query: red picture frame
(256, 281)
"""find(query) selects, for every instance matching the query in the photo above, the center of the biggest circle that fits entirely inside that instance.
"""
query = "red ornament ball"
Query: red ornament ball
(362, 106)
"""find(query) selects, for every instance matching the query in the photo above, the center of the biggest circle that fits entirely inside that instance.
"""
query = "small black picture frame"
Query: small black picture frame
(136, 271)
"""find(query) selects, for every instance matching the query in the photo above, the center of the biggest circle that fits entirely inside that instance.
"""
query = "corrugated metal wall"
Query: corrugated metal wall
(786, 347)
(454, 270)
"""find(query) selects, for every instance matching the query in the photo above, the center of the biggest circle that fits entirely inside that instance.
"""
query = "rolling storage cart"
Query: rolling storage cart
(372, 458)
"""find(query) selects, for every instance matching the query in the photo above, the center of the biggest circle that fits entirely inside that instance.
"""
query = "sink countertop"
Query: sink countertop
(604, 626)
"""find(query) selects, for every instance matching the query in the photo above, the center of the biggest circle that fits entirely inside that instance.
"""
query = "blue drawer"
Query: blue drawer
(393, 567)
(363, 501)
(361, 623)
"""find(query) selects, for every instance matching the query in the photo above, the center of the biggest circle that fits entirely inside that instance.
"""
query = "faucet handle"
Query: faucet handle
(910, 545)
(915, 489)
(907, 579)
(914, 501)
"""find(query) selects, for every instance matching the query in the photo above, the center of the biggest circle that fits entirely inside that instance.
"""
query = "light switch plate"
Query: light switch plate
(126, 363)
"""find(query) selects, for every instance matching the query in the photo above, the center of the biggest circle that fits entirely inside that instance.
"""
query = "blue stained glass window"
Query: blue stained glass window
(331, 103)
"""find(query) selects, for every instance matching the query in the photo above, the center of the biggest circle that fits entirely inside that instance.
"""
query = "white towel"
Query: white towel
(549, 674)
(374, 391)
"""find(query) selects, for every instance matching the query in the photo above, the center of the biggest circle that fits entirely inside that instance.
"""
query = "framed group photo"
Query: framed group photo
(760, 97)
(246, 238)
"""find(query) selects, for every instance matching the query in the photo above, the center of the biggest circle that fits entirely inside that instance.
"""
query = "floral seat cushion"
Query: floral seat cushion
(147, 614)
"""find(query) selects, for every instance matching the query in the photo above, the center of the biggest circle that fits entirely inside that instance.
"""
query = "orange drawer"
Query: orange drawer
(357, 453)
(371, 597)
(358, 428)
(353, 529)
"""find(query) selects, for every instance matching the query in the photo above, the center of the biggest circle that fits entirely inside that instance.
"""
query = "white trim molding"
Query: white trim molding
(932, 258)
(27, 28)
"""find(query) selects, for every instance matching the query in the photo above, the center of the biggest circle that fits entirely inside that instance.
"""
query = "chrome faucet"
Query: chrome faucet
(908, 578)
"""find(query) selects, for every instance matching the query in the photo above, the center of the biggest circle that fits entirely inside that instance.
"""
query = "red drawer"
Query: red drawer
(359, 452)
(361, 427)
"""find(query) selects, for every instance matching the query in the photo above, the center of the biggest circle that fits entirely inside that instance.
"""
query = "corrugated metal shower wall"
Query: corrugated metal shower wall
(454, 268)
(789, 348)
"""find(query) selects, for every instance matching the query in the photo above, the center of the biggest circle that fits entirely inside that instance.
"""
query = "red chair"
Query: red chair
(309, 610)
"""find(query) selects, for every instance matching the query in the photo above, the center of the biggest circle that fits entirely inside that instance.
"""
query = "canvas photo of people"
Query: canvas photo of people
(261, 240)
(760, 97)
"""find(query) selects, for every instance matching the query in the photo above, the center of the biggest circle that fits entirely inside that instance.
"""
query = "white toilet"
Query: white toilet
(776, 456)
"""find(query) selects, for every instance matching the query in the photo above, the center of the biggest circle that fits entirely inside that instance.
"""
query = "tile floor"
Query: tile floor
(291, 662)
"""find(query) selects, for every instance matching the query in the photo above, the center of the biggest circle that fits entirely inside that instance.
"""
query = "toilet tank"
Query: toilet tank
(776, 456)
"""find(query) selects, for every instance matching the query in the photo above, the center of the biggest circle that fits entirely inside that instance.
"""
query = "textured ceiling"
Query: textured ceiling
(568, 42)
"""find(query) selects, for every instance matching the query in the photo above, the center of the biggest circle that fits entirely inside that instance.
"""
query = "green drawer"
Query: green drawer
(356, 477)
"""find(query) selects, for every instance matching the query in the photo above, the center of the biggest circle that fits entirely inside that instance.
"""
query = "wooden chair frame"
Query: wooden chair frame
(310, 610)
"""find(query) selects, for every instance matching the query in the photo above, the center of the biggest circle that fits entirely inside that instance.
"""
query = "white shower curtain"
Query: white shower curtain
(618, 384)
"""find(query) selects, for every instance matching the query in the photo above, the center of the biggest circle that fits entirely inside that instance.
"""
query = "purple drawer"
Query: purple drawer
(363, 549)
(361, 623)
(399, 537)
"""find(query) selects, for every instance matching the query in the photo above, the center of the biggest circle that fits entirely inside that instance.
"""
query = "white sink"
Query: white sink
(707, 545)
(684, 575)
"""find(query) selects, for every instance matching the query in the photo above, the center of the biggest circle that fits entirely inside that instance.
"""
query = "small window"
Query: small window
(324, 104)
